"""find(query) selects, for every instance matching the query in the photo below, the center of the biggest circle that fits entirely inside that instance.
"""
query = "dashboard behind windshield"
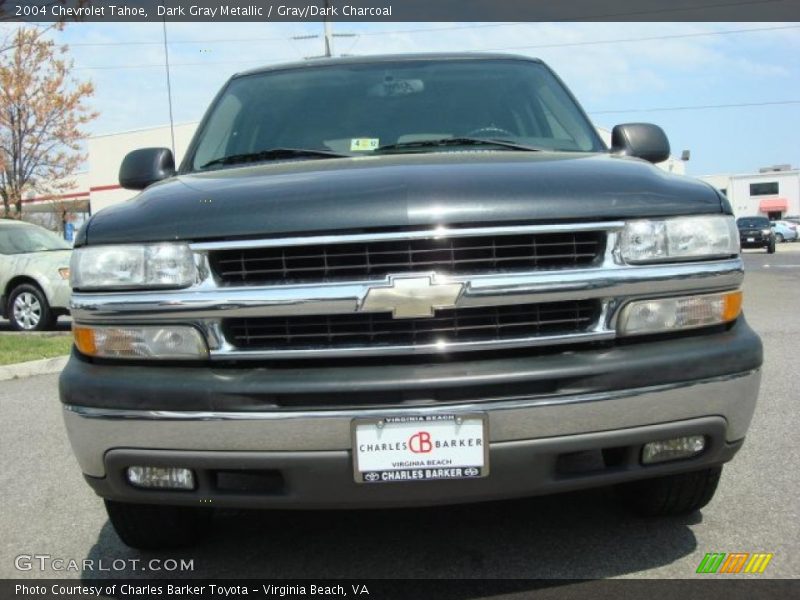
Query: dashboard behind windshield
(21, 239)
(753, 222)
(357, 108)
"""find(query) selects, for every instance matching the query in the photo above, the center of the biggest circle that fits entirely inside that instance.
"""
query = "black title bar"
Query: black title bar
(744, 588)
(396, 10)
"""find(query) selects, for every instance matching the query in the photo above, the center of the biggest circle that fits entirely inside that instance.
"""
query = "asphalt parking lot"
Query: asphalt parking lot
(47, 508)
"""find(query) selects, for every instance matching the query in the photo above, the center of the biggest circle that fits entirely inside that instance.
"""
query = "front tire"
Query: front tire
(679, 494)
(771, 247)
(779, 238)
(153, 526)
(28, 309)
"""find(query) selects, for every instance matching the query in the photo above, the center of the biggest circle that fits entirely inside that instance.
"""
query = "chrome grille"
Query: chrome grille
(242, 320)
(375, 259)
(474, 324)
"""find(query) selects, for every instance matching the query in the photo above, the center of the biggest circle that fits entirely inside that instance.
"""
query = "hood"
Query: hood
(51, 257)
(39, 265)
(352, 194)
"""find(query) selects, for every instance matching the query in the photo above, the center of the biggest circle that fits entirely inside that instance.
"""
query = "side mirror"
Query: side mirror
(642, 140)
(145, 166)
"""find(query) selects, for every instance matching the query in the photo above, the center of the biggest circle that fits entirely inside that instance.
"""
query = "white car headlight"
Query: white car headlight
(681, 238)
(146, 266)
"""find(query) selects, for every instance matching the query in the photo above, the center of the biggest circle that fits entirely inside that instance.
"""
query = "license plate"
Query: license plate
(420, 448)
(751, 239)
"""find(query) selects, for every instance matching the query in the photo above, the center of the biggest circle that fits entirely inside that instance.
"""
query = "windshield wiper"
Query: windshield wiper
(457, 141)
(273, 154)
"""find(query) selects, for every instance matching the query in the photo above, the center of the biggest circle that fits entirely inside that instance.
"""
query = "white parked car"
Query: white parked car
(785, 231)
(34, 275)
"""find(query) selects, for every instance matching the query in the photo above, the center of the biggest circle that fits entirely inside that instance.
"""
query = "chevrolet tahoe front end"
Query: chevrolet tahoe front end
(432, 320)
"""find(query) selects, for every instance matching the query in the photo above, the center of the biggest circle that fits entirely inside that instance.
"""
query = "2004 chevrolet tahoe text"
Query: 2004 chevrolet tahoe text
(398, 281)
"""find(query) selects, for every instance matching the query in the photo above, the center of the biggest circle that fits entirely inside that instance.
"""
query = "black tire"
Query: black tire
(153, 526)
(771, 247)
(678, 494)
(779, 238)
(29, 295)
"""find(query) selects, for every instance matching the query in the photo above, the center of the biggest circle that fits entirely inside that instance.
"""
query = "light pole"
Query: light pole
(169, 88)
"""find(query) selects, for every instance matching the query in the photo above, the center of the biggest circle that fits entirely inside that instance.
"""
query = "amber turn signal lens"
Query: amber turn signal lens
(732, 307)
(84, 340)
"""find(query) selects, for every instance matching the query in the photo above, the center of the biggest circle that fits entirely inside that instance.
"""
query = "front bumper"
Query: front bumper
(303, 459)
(59, 295)
(324, 479)
(759, 241)
(289, 428)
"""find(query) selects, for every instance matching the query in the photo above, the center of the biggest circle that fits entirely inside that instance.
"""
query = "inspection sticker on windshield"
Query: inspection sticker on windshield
(363, 144)
(420, 448)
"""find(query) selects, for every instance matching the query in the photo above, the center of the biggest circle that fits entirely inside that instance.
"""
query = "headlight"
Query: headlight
(660, 315)
(168, 342)
(132, 266)
(682, 238)
(766, 231)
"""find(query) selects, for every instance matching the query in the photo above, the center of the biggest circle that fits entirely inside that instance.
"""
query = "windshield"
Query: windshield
(358, 109)
(755, 222)
(21, 239)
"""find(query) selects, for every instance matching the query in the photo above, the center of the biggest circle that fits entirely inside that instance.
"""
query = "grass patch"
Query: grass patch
(20, 347)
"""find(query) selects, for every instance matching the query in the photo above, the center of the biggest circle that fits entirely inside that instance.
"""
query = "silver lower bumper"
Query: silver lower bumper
(94, 432)
(325, 480)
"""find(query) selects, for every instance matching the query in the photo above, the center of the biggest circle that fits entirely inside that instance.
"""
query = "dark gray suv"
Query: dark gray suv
(401, 281)
(756, 232)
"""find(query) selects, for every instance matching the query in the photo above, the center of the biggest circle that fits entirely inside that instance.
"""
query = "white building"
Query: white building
(107, 151)
(101, 186)
(773, 192)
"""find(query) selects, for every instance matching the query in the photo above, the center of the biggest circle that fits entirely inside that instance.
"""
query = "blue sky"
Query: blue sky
(687, 69)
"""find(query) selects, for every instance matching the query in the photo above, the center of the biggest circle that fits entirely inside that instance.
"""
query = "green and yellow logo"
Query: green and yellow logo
(735, 562)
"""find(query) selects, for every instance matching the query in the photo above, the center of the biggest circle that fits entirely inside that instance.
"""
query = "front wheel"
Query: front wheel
(28, 309)
(771, 247)
(153, 526)
(678, 494)
(779, 238)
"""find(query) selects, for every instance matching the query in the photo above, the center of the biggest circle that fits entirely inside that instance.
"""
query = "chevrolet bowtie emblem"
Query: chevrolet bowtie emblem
(410, 297)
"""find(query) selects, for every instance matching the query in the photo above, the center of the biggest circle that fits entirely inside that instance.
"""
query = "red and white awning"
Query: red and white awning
(773, 205)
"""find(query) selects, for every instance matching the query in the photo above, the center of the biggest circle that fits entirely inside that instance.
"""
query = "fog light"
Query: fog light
(682, 447)
(170, 342)
(175, 478)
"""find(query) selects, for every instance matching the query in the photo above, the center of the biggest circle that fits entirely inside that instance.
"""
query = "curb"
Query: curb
(44, 334)
(32, 368)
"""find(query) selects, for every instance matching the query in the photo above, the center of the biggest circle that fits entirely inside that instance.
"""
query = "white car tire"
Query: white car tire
(28, 309)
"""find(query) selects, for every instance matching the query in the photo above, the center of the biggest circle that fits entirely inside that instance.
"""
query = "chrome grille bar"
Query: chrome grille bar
(492, 323)
(211, 304)
(418, 234)
(323, 263)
